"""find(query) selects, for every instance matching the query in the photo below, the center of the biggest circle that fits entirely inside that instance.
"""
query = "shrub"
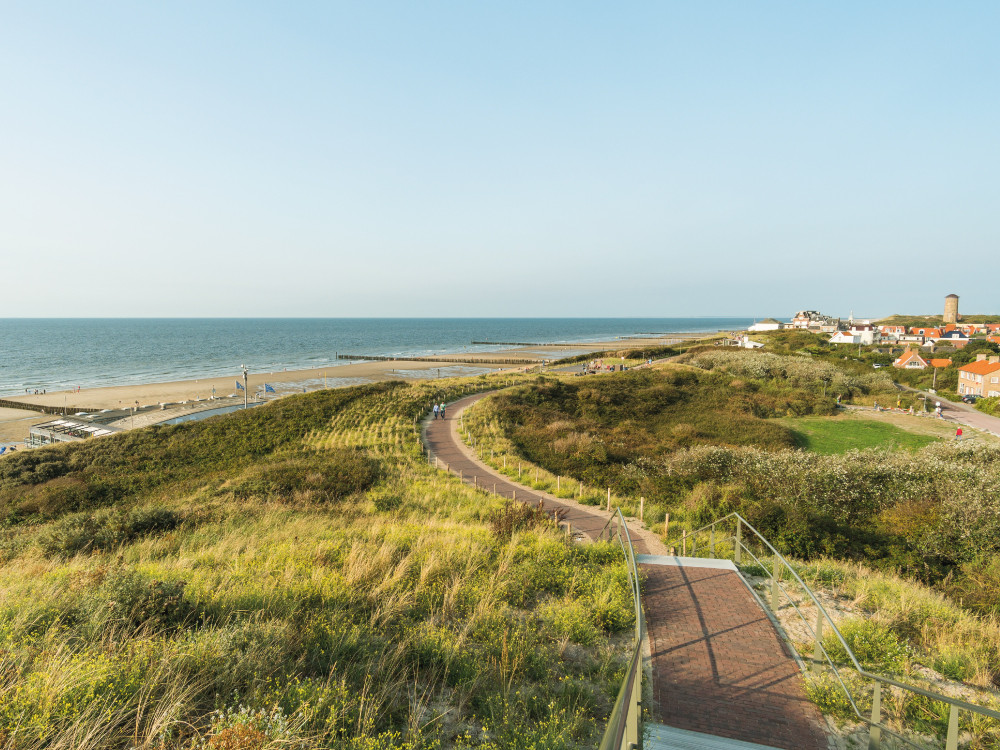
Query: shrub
(127, 597)
(331, 477)
(105, 530)
(385, 499)
(512, 517)
(876, 647)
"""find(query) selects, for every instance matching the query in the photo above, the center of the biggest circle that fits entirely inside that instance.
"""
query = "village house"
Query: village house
(814, 320)
(845, 337)
(927, 332)
(910, 360)
(864, 332)
(980, 378)
(892, 333)
(957, 339)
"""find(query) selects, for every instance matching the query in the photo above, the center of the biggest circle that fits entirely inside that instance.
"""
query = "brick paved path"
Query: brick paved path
(441, 437)
(719, 666)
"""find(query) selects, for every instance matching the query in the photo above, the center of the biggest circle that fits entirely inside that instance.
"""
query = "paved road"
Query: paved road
(719, 666)
(961, 413)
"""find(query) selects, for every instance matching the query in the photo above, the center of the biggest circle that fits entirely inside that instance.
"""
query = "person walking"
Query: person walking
(435, 411)
(442, 410)
(958, 434)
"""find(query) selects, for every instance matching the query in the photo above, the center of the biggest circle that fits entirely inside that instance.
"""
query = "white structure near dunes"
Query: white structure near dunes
(767, 324)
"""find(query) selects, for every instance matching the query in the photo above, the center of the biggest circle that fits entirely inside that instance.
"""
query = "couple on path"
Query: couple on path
(439, 410)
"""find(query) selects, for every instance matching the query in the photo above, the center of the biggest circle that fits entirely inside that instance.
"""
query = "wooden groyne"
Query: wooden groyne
(7, 404)
(468, 361)
(522, 343)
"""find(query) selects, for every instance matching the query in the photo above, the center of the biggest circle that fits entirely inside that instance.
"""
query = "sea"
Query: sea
(57, 354)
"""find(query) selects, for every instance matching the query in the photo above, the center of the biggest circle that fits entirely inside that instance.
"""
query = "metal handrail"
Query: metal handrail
(624, 726)
(875, 724)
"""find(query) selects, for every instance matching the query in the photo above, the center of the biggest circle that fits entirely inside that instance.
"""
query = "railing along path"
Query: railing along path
(876, 723)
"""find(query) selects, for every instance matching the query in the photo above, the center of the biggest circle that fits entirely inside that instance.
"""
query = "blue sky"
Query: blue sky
(475, 159)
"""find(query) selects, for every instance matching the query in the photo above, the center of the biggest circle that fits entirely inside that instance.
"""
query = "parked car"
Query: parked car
(970, 398)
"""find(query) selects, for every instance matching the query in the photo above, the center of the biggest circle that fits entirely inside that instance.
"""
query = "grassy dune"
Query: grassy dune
(294, 576)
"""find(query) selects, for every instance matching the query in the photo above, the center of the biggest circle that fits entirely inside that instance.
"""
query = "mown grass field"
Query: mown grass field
(839, 434)
(294, 576)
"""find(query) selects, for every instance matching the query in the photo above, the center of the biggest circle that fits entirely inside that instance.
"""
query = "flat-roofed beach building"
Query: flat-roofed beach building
(66, 430)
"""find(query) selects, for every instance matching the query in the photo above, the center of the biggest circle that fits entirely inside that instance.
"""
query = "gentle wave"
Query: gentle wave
(56, 354)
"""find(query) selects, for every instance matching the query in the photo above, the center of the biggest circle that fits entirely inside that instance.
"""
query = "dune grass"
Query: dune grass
(294, 576)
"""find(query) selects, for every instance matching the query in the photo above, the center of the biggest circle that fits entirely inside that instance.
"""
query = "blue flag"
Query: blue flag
(239, 386)
(268, 388)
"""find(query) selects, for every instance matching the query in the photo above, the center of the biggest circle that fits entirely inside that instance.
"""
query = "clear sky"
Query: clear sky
(495, 159)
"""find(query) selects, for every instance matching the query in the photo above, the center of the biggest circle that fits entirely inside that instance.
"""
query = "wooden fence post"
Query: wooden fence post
(642, 508)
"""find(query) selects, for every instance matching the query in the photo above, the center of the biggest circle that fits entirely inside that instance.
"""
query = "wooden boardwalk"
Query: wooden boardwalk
(718, 665)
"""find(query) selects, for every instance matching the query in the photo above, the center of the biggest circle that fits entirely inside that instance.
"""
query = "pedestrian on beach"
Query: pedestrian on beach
(442, 410)
(436, 411)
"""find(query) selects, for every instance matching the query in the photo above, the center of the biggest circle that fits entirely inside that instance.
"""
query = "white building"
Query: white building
(845, 337)
(767, 324)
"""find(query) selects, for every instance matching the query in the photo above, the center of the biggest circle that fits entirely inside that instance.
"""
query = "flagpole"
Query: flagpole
(244, 386)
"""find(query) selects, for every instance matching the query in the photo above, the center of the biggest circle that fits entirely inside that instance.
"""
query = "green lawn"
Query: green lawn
(840, 434)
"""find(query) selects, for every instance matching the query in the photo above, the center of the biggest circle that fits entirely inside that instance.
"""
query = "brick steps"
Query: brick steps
(661, 737)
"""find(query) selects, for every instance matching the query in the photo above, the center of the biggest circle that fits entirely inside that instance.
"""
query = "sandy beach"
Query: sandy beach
(15, 423)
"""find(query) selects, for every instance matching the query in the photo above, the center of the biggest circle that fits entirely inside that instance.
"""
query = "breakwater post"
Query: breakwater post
(454, 361)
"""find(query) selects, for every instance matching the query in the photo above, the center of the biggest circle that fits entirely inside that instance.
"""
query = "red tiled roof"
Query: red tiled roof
(939, 362)
(981, 367)
(907, 356)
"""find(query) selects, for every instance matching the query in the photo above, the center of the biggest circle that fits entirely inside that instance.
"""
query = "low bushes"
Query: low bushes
(314, 479)
(105, 530)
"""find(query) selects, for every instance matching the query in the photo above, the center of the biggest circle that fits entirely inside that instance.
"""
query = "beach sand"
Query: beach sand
(14, 423)
(290, 381)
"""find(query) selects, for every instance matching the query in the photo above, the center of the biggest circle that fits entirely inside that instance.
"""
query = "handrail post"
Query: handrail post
(775, 574)
(738, 553)
(874, 730)
(711, 542)
(952, 741)
(818, 648)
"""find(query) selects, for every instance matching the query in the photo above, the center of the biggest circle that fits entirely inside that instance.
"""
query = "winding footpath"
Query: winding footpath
(722, 676)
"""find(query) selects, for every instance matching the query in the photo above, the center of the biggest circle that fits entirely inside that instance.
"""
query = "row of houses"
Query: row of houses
(867, 334)
(979, 378)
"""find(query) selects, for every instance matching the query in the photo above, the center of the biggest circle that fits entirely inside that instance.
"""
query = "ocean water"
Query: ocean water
(55, 354)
